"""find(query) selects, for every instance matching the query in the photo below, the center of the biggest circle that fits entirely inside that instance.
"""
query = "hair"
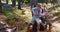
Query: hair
(38, 5)
(44, 5)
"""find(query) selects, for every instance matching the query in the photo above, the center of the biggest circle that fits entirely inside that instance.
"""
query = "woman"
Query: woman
(44, 12)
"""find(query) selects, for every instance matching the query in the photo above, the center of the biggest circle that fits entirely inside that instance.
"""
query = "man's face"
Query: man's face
(38, 8)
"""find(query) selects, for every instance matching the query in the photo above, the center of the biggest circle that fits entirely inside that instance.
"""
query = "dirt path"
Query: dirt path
(55, 28)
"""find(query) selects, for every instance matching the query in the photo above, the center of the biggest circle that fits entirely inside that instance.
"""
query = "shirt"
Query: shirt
(34, 10)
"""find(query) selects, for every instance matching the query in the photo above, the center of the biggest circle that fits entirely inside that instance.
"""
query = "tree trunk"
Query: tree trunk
(19, 4)
(33, 3)
(0, 4)
(6, 1)
(13, 3)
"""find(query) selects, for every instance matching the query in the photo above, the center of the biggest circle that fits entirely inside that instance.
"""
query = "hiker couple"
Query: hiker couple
(38, 11)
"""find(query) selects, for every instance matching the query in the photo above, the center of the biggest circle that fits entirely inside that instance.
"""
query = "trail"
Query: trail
(54, 19)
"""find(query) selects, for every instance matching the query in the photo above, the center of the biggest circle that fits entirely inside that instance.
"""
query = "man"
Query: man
(36, 17)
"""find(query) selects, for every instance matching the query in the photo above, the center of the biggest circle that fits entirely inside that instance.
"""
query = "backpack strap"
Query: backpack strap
(42, 10)
(32, 12)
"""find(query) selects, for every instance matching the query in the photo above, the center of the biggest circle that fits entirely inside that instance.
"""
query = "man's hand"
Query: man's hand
(40, 16)
(36, 14)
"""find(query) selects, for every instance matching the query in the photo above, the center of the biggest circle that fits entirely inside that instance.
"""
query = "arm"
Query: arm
(34, 12)
(40, 14)
(43, 14)
(45, 11)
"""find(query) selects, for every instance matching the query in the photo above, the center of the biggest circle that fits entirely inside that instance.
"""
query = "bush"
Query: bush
(21, 27)
(10, 16)
(13, 16)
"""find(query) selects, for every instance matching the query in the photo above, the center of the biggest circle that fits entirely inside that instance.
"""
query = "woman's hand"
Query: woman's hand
(40, 16)
(43, 14)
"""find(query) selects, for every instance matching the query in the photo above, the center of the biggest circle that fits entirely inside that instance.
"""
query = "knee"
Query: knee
(39, 21)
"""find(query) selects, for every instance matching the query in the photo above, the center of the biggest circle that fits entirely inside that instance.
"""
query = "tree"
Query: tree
(33, 3)
(19, 4)
(0, 4)
(13, 3)
(6, 1)
(54, 1)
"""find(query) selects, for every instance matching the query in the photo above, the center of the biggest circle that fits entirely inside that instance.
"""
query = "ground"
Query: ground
(54, 19)
(54, 16)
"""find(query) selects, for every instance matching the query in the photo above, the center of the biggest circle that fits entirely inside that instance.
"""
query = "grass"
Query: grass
(10, 16)
(18, 12)
(13, 14)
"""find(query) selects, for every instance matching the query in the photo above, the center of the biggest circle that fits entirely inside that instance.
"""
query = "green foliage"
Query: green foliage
(54, 1)
(25, 1)
(55, 11)
(10, 16)
(1, 4)
(41, 1)
(21, 27)
(3, 0)
(5, 11)
(18, 12)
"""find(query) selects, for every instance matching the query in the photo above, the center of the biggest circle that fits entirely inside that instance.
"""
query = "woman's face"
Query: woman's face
(43, 6)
